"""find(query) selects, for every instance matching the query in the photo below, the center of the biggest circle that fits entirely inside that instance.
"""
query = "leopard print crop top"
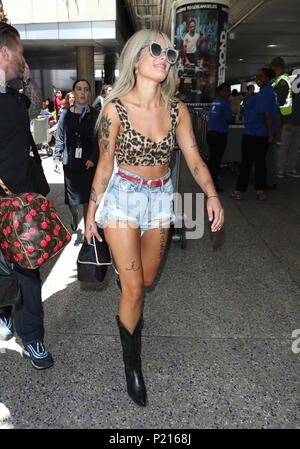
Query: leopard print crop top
(133, 148)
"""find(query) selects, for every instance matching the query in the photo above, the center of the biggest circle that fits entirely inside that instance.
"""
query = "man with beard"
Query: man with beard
(15, 173)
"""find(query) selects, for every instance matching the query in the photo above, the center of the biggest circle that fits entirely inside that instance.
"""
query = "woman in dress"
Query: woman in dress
(138, 126)
(77, 145)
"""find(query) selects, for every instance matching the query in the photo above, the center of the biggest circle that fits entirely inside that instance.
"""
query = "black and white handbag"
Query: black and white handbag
(93, 260)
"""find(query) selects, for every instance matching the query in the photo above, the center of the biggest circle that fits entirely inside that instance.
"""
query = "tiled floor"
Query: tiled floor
(217, 340)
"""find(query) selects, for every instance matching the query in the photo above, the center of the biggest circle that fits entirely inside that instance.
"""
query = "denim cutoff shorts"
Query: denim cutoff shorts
(141, 205)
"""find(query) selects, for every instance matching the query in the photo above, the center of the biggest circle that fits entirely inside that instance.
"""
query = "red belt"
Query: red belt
(148, 183)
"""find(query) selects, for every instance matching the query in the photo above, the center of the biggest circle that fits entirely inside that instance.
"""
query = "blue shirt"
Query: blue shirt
(219, 113)
(250, 115)
(265, 102)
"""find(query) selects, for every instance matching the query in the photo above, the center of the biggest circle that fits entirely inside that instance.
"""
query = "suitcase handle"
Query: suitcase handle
(6, 189)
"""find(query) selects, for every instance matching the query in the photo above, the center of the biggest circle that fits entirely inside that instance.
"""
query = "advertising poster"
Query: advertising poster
(201, 38)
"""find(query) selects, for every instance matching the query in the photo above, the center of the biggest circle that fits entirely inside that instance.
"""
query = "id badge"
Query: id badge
(78, 153)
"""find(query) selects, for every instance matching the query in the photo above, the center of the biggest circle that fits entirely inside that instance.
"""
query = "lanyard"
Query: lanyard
(76, 125)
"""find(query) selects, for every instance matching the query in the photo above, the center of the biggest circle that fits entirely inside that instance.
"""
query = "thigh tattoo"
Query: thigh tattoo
(162, 242)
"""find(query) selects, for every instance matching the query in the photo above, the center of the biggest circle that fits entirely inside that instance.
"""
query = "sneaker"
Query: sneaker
(260, 196)
(6, 328)
(280, 174)
(39, 355)
(293, 173)
(236, 196)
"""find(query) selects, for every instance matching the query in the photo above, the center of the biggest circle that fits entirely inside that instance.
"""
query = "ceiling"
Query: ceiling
(61, 54)
(155, 14)
(274, 22)
(253, 25)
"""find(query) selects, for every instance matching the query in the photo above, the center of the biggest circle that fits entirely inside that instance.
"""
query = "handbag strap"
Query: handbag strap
(95, 249)
(6, 189)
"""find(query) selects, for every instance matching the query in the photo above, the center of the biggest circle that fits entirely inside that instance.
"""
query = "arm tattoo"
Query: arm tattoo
(196, 169)
(104, 181)
(132, 267)
(206, 184)
(104, 126)
(105, 147)
(93, 196)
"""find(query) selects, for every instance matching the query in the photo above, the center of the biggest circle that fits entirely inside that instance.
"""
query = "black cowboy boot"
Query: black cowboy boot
(131, 345)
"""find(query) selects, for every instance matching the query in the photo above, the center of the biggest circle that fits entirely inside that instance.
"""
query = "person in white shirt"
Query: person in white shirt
(190, 44)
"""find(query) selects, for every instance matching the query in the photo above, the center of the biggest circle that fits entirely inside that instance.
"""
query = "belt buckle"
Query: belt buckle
(149, 182)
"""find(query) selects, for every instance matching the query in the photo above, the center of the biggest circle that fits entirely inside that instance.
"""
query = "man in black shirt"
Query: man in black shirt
(15, 173)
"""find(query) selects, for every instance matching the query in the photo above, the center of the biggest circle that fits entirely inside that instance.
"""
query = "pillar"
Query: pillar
(85, 67)
(200, 34)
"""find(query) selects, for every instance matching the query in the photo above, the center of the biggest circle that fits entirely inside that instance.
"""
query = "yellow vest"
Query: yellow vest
(287, 108)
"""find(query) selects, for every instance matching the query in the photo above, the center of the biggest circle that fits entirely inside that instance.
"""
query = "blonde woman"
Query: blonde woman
(138, 126)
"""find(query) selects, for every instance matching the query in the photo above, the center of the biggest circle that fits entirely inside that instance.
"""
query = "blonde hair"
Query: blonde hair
(132, 53)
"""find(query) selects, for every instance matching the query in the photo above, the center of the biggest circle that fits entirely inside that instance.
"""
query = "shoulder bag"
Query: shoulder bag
(31, 230)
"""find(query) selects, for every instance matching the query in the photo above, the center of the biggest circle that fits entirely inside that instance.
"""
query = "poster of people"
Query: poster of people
(201, 38)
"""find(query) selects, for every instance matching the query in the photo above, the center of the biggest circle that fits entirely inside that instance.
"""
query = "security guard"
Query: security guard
(283, 88)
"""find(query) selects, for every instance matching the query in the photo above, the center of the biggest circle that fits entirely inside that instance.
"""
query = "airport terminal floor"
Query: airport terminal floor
(219, 348)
